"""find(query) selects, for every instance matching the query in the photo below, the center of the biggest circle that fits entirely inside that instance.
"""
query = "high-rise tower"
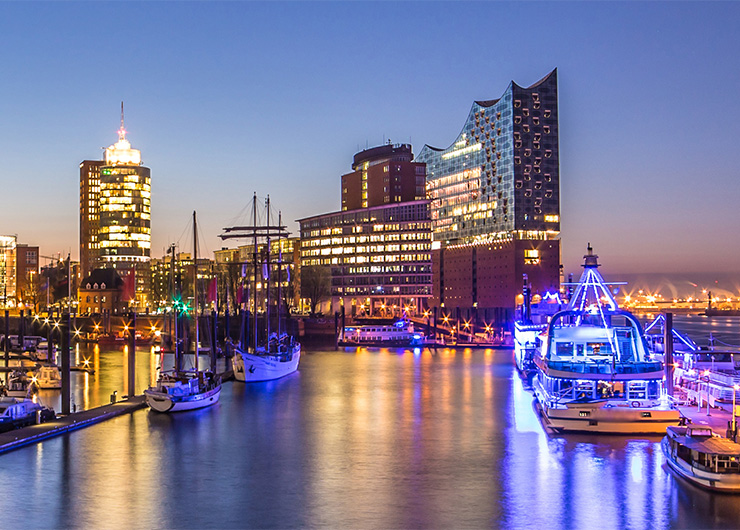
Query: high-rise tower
(125, 207)
(89, 214)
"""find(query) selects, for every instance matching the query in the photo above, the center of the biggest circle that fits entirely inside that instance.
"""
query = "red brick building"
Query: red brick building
(383, 175)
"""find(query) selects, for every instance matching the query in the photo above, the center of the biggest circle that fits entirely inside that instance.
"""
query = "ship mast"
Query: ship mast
(195, 286)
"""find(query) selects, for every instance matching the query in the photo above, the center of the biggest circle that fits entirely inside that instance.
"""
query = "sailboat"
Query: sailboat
(179, 390)
(279, 353)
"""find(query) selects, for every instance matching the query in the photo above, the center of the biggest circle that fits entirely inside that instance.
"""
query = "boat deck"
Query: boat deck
(35, 433)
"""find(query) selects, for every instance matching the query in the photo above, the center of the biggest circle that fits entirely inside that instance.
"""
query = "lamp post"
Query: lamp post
(735, 388)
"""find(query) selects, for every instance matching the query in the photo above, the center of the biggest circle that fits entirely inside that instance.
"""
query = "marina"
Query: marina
(460, 421)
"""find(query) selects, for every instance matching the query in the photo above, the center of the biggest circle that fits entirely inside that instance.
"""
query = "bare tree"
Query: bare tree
(315, 285)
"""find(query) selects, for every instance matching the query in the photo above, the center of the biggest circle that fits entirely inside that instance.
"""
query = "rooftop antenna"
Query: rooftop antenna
(121, 131)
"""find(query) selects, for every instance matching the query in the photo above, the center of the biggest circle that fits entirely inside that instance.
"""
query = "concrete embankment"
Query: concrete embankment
(35, 433)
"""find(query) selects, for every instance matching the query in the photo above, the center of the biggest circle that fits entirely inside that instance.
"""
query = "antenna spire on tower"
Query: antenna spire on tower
(122, 130)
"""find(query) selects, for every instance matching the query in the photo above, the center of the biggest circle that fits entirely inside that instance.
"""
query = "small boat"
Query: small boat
(47, 377)
(704, 458)
(20, 412)
(593, 373)
(382, 333)
(18, 385)
(179, 391)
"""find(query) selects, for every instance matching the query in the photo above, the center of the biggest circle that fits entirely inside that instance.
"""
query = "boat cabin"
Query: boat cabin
(700, 448)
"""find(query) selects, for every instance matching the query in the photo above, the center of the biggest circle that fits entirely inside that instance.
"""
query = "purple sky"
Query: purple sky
(224, 99)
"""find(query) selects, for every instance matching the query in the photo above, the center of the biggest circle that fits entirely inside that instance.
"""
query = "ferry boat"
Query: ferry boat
(382, 333)
(180, 391)
(704, 458)
(593, 372)
(19, 412)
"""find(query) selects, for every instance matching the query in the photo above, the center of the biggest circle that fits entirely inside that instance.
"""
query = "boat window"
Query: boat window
(564, 348)
(646, 415)
(579, 349)
(598, 348)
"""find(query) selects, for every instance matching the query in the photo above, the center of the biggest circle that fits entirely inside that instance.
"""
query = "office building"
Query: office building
(89, 214)
(379, 257)
(27, 274)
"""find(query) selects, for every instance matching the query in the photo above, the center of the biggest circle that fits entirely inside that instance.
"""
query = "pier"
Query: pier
(36, 433)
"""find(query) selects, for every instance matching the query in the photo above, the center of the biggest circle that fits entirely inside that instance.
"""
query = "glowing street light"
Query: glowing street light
(735, 388)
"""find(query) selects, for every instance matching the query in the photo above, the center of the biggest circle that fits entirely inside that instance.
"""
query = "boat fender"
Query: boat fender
(635, 404)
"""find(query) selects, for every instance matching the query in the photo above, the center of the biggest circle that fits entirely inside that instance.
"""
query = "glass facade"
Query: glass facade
(500, 177)
(125, 214)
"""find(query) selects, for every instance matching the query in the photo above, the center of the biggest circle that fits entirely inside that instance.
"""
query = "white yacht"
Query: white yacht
(179, 391)
(593, 372)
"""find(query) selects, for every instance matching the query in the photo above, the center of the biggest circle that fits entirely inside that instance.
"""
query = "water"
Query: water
(356, 439)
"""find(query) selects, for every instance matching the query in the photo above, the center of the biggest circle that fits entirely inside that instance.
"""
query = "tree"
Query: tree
(315, 285)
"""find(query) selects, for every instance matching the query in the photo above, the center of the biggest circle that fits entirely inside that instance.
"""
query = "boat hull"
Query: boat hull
(603, 417)
(609, 421)
(162, 402)
(725, 482)
(251, 368)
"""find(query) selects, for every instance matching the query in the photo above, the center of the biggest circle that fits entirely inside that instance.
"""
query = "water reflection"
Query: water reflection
(365, 439)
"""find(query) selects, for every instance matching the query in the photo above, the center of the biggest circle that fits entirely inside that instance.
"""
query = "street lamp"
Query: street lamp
(735, 388)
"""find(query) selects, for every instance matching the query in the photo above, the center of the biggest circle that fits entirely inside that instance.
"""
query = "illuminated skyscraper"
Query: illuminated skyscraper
(124, 233)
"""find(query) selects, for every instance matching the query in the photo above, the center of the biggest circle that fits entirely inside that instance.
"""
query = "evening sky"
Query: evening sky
(224, 99)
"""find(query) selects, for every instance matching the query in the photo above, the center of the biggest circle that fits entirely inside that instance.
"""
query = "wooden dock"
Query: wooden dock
(36, 433)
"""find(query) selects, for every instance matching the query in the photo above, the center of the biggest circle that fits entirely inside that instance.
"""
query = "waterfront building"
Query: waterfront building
(495, 201)
(383, 175)
(102, 291)
(124, 216)
(8, 271)
(174, 279)
(27, 274)
(379, 257)
(89, 214)
(235, 271)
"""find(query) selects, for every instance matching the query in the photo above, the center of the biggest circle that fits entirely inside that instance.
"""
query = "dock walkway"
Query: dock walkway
(35, 433)
(717, 419)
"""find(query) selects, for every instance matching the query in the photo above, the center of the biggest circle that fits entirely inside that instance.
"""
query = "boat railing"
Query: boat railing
(604, 367)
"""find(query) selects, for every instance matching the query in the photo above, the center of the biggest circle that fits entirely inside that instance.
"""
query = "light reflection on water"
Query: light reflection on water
(366, 439)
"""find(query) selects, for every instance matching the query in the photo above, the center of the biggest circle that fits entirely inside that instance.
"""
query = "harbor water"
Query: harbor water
(358, 438)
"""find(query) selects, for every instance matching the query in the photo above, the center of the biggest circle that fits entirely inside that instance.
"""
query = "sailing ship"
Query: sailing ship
(593, 371)
(278, 354)
(179, 390)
